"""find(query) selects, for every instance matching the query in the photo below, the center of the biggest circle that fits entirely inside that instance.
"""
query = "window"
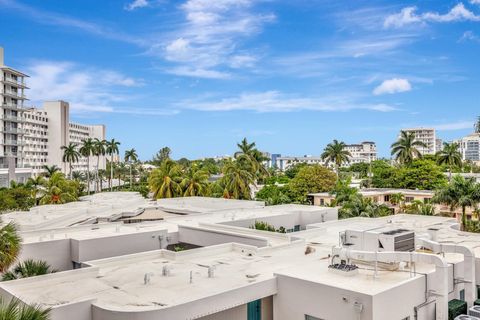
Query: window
(386, 198)
(409, 199)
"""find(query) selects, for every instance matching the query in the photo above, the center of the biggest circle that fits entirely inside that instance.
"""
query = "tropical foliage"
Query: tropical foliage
(337, 154)
(406, 148)
(10, 245)
(26, 269)
(16, 310)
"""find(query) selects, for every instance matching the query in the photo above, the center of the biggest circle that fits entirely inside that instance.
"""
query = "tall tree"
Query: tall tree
(14, 309)
(336, 153)
(50, 170)
(477, 125)
(165, 181)
(111, 150)
(450, 156)
(460, 192)
(237, 181)
(195, 182)
(70, 155)
(405, 148)
(98, 151)
(252, 159)
(10, 245)
(161, 156)
(87, 150)
(58, 190)
(36, 185)
(131, 156)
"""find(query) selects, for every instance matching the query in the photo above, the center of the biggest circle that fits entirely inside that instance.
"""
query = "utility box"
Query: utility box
(381, 239)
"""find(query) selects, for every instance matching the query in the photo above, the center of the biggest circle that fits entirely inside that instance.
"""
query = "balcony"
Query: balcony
(6, 117)
(15, 94)
(14, 82)
(13, 143)
(13, 130)
(12, 106)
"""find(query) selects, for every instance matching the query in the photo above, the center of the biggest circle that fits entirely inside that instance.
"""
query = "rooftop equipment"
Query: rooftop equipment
(474, 311)
(383, 239)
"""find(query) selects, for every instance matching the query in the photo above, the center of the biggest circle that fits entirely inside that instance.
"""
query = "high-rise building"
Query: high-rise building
(365, 151)
(427, 136)
(30, 137)
(470, 147)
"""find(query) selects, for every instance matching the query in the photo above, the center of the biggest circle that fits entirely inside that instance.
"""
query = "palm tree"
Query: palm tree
(252, 158)
(87, 150)
(405, 148)
(245, 148)
(131, 156)
(450, 156)
(59, 190)
(237, 181)
(477, 125)
(36, 184)
(397, 198)
(16, 310)
(10, 245)
(460, 192)
(335, 152)
(28, 268)
(165, 181)
(70, 155)
(98, 150)
(195, 182)
(363, 207)
(111, 150)
(50, 170)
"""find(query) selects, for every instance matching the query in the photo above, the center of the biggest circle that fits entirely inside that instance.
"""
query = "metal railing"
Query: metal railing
(17, 82)
(11, 118)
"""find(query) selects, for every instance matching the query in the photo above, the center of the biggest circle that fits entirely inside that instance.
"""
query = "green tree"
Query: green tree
(292, 170)
(251, 159)
(420, 174)
(161, 156)
(165, 181)
(10, 246)
(37, 186)
(383, 174)
(405, 148)
(98, 151)
(336, 153)
(450, 156)
(131, 156)
(343, 192)
(28, 268)
(70, 155)
(477, 125)
(311, 179)
(397, 198)
(87, 150)
(273, 195)
(50, 170)
(363, 207)
(58, 190)
(111, 148)
(460, 192)
(16, 310)
(237, 181)
(195, 182)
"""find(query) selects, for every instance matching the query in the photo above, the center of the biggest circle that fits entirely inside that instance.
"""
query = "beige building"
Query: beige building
(470, 147)
(365, 151)
(427, 136)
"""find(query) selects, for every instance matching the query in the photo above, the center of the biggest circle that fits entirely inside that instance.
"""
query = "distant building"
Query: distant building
(470, 147)
(283, 163)
(30, 137)
(365, 151)
(427, 136)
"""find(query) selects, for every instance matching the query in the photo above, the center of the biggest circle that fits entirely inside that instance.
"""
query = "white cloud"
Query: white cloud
(470, 36)
(275, 101)
(136, 4)
(86, 89)
(394, 85)
(475, 1)
(208, 43)
(408, 16)
(458, 125)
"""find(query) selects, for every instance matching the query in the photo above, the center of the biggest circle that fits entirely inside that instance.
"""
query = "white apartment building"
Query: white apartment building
(470, 147)
(12, 98)
(397, 267)
(427, 136)
(365, 151)
(48, 129)
(283, 163)
(31, 137)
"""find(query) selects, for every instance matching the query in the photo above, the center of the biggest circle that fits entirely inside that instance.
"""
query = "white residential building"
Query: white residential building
(470, 147)
(365, 151)
(427, 136)
(283, 163)
(395, 267)
(31, 137)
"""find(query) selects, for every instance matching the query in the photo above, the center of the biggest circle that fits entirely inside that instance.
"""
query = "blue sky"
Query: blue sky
(199, 75)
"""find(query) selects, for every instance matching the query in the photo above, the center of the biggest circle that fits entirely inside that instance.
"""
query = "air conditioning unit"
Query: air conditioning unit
(474, 311)
(465, 317)
(380, 239)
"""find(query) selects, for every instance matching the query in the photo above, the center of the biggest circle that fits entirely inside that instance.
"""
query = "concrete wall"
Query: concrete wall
(297, 298)
(55, 252)
(237, 313)
(105, 247)
(207, 237)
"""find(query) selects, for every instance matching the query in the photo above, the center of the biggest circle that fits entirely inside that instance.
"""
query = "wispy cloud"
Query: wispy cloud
(136, 4)
(87, 89)
(469, 36)
(56, 19)
(391, 86)
(408, 16)
(208, 43)
(275, 101)
(452, 126)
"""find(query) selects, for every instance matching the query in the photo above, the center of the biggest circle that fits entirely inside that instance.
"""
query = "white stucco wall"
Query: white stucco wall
(206, 237)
